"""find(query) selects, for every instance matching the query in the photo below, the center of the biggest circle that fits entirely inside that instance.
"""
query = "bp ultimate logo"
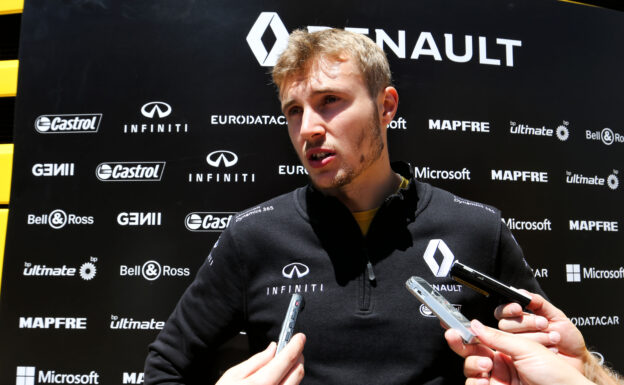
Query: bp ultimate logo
(156, 113)
(68, 123)
(130, 171)
(612, 181)
(86, 271)
(426, 44)
(220, 162)
(208, 221)
(561, 132)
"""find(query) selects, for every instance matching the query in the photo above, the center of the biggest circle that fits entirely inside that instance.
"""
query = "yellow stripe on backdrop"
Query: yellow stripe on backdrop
(6, 167)
(8, 77)
(4, 215)
(11, 6)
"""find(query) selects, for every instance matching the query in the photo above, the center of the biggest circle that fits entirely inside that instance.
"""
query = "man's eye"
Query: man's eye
(330, 99)
(293, 111)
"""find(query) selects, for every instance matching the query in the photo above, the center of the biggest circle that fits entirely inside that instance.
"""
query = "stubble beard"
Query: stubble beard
(349, 173)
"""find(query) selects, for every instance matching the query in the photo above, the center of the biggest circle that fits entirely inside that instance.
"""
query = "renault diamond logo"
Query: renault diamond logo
(162, 109)
(297, 268)
(442, 269)
(254, 38)
(222, 158)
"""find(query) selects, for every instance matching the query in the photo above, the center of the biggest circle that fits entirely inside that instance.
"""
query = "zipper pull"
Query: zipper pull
(371, 273)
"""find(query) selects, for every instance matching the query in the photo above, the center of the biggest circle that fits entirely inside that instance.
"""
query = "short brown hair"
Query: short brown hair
(305, 47)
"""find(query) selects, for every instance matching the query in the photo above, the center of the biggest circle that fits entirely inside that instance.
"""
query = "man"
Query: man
(347, 242)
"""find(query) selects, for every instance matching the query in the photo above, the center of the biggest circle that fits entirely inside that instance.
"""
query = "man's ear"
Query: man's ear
(388, 103)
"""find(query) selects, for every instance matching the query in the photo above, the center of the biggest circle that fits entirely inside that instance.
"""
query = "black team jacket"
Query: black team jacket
(362, 325)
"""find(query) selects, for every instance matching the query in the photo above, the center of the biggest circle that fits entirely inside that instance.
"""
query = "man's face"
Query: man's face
(333, 123)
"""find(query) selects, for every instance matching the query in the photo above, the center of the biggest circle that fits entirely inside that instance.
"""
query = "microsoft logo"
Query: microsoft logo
(25, 375)
(573, 273)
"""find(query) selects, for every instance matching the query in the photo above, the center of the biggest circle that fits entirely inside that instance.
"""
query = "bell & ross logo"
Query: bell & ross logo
(606, 136)
(442, 269)
(222, 158)
(161, 109)
(152, 270)
(265, 21)
(296, 268)
(57, 219)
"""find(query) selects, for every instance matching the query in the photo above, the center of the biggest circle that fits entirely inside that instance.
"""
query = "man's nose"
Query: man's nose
(312, 124)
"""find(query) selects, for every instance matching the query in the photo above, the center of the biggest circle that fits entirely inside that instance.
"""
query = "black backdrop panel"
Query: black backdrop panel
(512, 103)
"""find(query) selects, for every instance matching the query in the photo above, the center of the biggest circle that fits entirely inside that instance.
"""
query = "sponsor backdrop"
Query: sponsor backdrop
(142, 128)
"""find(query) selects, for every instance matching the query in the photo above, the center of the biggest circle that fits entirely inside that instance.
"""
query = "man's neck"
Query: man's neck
(366, 193)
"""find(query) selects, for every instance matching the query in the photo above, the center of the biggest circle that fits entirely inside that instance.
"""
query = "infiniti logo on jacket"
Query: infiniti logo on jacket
(296, 268)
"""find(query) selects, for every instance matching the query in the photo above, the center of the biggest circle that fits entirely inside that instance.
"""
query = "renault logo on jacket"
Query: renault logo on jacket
(442, 269)
(296, 268)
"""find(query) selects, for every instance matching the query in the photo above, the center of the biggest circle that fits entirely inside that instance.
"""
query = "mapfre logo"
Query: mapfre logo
(53, 323)
(222, 160)
(153, 270)
(155, 112)
(58, 219)
(295, 270)
(435, 246)
(130, 171)
(28, 375)
(132, 378)
(520, 176)
(68, 124)
(266, 21)
(208, 221)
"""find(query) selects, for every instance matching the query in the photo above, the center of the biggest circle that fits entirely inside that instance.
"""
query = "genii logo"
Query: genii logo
(260, 27)
(295, 269)
(439, 270)
(222, 158)
(160, 109)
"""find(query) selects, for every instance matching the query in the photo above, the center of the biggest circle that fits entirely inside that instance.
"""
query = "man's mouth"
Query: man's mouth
(320, 155)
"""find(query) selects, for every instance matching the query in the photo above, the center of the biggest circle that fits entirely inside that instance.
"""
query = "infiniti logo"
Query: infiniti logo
(222, 157)
(297, 268)
(254, 38)
(162, 109)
